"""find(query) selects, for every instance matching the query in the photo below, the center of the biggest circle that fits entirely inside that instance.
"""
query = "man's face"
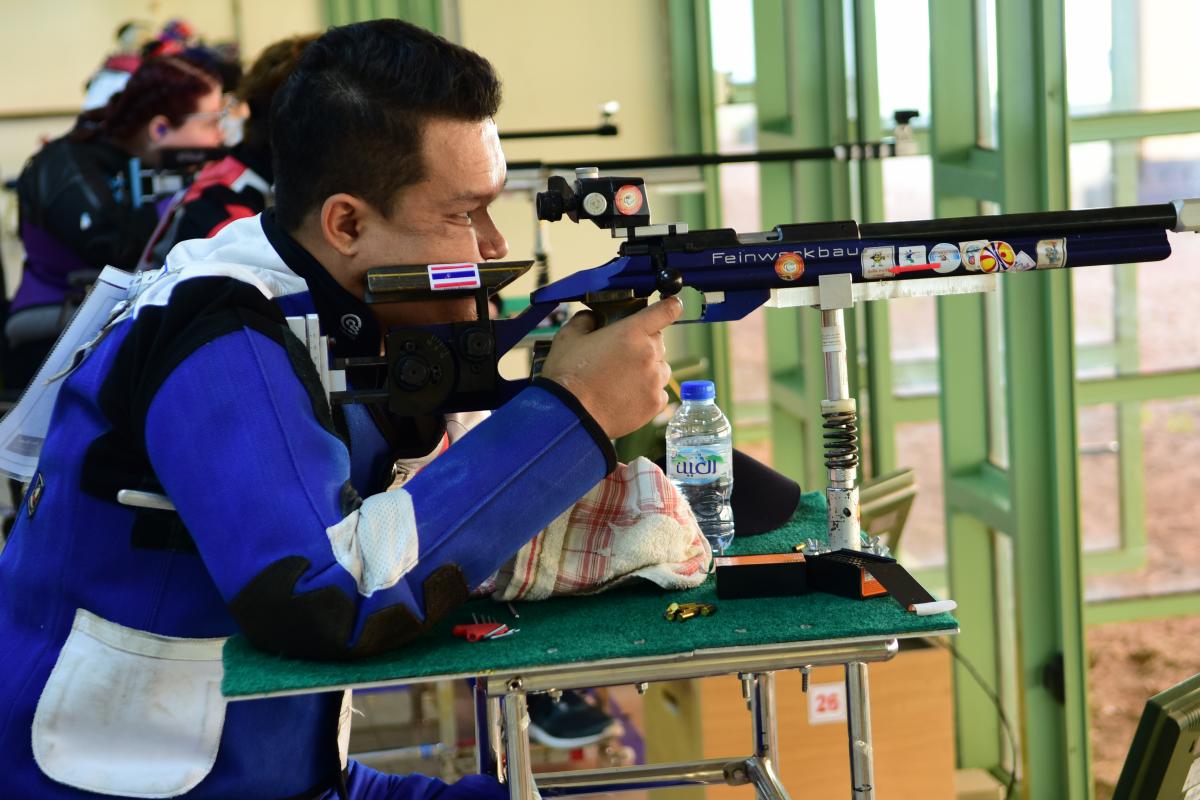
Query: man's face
(442, 219)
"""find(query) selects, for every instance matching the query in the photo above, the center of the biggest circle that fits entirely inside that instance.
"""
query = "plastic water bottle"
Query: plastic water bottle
(700, 460)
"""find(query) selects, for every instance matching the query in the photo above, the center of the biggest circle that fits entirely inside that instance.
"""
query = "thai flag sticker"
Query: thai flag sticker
(444, 277)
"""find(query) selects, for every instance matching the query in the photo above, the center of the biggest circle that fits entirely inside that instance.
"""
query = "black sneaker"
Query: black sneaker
(568, 723)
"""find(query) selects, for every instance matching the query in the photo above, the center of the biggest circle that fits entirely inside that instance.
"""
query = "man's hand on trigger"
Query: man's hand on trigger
(617, 372)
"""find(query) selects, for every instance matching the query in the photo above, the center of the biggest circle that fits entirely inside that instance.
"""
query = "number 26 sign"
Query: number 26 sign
(826, 703)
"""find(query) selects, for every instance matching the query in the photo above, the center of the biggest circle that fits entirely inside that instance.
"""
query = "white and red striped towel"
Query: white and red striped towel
(633, 524)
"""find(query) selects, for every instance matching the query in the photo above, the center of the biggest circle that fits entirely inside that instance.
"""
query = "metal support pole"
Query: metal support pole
(762, 715)
(447, 730)
(761, 768)
(516, 746)
(718, 771)
(840, 413)
(766, 782)
(487, 731)
(496, 734)
(858, 721)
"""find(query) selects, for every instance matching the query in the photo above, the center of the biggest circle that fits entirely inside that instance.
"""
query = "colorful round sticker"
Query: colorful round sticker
(946, 256)
(971, 251)
(629, 200)
(789, 266)
(997, 257)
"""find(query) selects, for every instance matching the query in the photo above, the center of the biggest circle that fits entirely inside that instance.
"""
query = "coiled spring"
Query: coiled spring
(841, 440)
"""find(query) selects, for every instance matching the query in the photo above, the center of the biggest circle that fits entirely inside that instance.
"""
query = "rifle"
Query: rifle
(737, 273)
(827, 264)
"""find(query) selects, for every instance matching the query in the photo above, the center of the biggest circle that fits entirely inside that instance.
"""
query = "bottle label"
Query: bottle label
(699, 464)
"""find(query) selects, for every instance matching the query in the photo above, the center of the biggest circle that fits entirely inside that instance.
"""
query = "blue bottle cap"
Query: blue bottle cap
(697, 390)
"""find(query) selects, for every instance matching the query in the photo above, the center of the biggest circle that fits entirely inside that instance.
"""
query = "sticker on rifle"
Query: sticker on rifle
(629, 200)
(448, 277)
(946, 256)
(1024, 262)
(997, 257)
(912, 255)
(1051, 253)
(971, 251)
(877, 262)
(789, 266)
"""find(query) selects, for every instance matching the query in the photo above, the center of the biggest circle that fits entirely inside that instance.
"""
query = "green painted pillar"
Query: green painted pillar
(801, 93)
(695, 122)
(1011, 449)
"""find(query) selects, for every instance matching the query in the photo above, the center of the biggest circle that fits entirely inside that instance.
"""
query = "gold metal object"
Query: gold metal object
(680, 612)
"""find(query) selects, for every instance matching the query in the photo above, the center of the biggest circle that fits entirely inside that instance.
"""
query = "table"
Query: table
(621, 637)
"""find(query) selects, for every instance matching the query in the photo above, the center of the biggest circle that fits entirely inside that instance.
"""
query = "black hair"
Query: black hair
(222, 60)
(349, 118)
(260, 83)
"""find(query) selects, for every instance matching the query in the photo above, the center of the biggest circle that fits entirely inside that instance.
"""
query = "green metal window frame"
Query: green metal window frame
(1022, 521)
(694, 115)
(804, 104)
(1013, 534)
(976, 170)
(1015, 549)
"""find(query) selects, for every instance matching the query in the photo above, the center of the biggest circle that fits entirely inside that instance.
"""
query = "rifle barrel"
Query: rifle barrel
(1162, 216)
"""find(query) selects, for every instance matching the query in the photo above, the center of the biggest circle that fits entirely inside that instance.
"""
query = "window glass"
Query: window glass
(1170, 436)
(901, 29)
(919, 445)
(912, 321)
(1130, 55)
(1099, 478)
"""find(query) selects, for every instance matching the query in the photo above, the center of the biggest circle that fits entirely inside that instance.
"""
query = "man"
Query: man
(111, 617)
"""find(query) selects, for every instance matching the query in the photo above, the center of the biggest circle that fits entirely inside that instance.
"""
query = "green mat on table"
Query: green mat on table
(626, 622)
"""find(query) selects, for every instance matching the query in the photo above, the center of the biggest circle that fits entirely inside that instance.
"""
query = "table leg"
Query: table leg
(487, 732)
(516, 747)
(858, 722)
(495, 721)
(761, 769)
(447, 729)
(762, 715)
(766, 782)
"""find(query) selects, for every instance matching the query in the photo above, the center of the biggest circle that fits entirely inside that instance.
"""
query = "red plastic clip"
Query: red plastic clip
(478, 630)
(482, 629)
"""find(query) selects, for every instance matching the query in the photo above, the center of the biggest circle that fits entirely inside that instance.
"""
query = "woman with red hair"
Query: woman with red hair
(240, 184)
(76, 201)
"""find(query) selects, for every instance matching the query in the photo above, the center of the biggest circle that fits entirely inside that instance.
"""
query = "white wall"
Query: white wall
(266, 21)
(560, 60)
